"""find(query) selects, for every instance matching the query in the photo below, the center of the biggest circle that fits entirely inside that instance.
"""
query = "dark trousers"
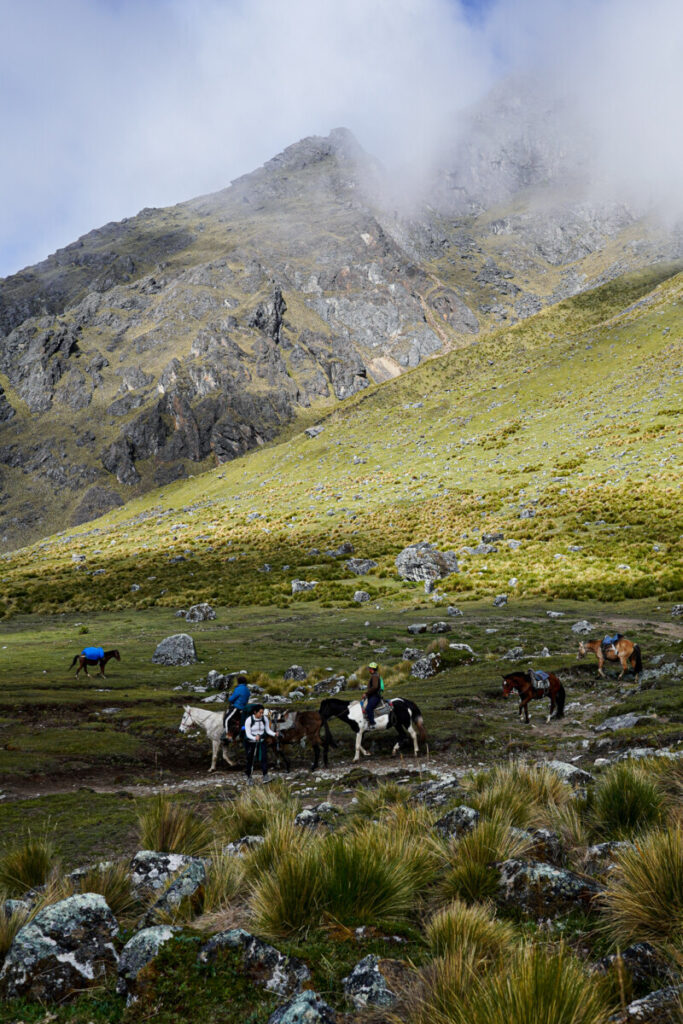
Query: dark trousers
(255, 751)
(370, 709)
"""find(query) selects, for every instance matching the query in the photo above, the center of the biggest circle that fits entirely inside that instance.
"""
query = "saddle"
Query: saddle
(540, 679)
(382, 709)
(609, 641)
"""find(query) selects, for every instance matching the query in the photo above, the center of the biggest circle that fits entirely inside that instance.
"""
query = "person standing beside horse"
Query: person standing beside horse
(373, 693)
(256, 728)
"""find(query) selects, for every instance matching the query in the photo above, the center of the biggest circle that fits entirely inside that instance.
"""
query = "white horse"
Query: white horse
(212, 724)
(402, 714)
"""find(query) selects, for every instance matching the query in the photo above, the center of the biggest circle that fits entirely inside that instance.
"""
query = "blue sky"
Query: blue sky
(108, 106)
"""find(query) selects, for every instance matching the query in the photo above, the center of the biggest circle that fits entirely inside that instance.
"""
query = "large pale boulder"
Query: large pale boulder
(178, 649)
(421, 563)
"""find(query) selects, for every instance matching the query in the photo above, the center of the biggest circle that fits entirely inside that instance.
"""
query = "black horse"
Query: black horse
(404, 716)
(84, 660)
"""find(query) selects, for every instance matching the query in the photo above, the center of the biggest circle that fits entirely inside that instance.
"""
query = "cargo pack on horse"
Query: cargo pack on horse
(93, 656)
(617, 648)
(529, 689)
(399, 713)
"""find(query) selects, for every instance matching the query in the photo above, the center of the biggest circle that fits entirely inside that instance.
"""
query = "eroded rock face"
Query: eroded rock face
(200, 613)
(543, 890)
(457, 822)
(425, 668)
(175, 650)
(151, 870)
(185, 885)
(137, 953)
(65, 948)
(372, 982)
(266, 965)
(306, 1008)
(660, 1007)
(421, 563)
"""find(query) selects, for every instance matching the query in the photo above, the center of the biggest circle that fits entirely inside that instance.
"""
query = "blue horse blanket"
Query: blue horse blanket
(93, 653)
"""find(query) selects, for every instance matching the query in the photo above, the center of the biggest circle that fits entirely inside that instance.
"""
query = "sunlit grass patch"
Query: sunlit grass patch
(28, 865)
(519, 792)
(253, 811)
(626, 800)
(472, 928)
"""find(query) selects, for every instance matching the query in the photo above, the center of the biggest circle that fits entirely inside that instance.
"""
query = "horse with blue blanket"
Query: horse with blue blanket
(531, 685)
(93, 656)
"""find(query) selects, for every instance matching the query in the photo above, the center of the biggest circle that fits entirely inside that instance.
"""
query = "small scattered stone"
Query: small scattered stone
(583, 627)
(500, 601)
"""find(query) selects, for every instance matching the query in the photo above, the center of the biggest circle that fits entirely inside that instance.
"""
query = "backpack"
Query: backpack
(381, 686)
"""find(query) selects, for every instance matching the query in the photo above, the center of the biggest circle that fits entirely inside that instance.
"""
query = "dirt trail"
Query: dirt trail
(673, 629)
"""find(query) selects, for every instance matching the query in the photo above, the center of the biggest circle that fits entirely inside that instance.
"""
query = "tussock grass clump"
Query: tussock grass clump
(539, 986)
(225, 880)
(113, 882)
(28, 865)
(253, 810)
(644, 896)
(374, 802)
(281, 836)
(171, 827)
(442, 987)
(473, 929)
(520, 792)
(287, 899)
(626, 800)
(467, 874)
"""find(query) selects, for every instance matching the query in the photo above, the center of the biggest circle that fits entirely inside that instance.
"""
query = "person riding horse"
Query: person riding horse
(373, 693)
(238, 701)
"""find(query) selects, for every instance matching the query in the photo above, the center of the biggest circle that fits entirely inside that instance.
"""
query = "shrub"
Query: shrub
(625, 801)
(171, 827)
(470, 928)
(518, 791)
(113, 882)
(644, 896)
(467, 874)
(28, 864)
(253, 810)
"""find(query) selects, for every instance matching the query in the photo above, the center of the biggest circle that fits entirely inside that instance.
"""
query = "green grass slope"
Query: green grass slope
(562, 432)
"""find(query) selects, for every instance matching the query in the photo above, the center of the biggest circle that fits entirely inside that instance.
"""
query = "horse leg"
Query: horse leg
(225, 756)
(552, 707)
(601, 662)
(215, 747)
(316, 756)
(525, 705)
(623, 661)
(101, 664)
(416, 749)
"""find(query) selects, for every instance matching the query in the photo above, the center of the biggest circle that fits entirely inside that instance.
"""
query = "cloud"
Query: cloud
(107, 106)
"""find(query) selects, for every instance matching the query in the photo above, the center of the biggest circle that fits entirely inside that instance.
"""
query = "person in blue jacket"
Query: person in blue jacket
(239, 699)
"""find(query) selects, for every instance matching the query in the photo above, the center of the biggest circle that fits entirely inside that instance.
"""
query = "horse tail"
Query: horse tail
(421, 731)
(329, 740)
(76, 656)
(559, 702)
(639, 661)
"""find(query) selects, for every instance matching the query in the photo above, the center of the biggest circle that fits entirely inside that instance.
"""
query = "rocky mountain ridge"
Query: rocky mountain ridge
(186, 336)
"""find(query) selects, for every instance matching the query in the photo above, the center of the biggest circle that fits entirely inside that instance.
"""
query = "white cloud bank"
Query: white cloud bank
(107, 106)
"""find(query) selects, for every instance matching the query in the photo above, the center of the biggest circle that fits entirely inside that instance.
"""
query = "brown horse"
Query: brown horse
(295, 726)
(84, 660)
(521, 681)
(621, 650)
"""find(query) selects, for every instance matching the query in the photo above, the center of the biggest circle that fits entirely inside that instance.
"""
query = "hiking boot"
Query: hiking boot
(250, 781)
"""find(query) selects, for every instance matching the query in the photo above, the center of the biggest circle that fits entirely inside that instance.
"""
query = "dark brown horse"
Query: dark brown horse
(84, 660)
(523, 684)
(621, 650)
(294, 726)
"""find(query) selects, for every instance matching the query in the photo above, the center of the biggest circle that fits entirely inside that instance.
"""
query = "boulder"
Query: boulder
(453, 611)
(457, 823)
(306, 1008)
(677, 611)
(440, 792)
(627, 721)
(600, 859)
(425, 668)
(215, 680)
(440, 627)
(491, 538)
(570, 773)
(541, 889)
(264, 964)
(368, 984)
(500, 601)
(178, 649)
(331, 685)
(660, 1007)
(136, 954)
(422, 562)
(299, 586)
(64, 949)
(361, 596)
(200, 613)
(417, 627)
(296, 672)
(360, 566)
(641, 961)
(543, 845)
(411, 654)
(151, 871)
(345, 548)
(583, 627)
(185, 885)
(314, 431)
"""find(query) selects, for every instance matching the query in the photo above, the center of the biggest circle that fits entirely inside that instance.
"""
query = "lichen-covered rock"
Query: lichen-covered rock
(200, 613)
(296, 672)
(425, 668)
(570, 773)
(438, 792)
(582, 627)
(299, 586)
(543, 844)
(264, 964)
(150, 871)
(360, 566)
(185, 885)
(417, 627)
(241, 846)
(660, 1007)
(440, 627)
(411, 654)
(136, 954)
(457, 823)
(64, 949)
(361, 596)
(500, 601)
(421, 562)
(541, 889)
(641, 961)
(600, 859)
(306, 1008)
(178, 649)
(627, 721)
(331, 685)
(372, 982)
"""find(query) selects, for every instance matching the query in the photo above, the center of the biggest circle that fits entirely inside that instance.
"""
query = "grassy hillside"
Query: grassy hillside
(571, 419)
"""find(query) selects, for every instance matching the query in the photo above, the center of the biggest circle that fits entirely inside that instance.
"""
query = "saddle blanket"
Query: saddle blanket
(93, 653)
(540, 679)
(610, 640)
(382, 709)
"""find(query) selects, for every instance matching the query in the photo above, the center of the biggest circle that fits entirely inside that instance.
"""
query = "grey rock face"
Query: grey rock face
(331, 685)
(361, 596)
(296, 672)
(421, 562)
(178, 649)
(457, 822)
(627, 721)
(298, 586)
(500, 601)
(582, 627)
(641, 960)
(541, 889)
(65, 948)
(411, 654)
(440, 627)
(137, 953)
(660, 1007)
(200, 613)
(360, 566)
(151, 870)
(366, 985)
(186, 884)
(425, 668)
(417, 627)
(570, 773)
(266, 965)
(306, 1008)
(95, 502)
